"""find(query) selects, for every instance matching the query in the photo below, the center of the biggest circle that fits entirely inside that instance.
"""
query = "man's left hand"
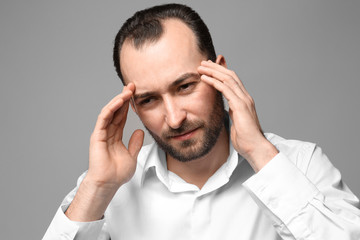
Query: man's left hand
(246, 134)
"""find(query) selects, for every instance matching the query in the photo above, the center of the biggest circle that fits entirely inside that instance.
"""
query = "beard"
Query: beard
(191, 149)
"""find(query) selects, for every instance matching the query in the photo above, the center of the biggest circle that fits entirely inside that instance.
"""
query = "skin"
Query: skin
(164, 99)
(170, 107)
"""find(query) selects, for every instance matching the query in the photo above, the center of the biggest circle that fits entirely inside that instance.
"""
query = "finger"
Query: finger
(224, 70)
(232, 98)
(226, 79)
(130, 87)
(119, 122)
(120, 114)
(107, 113)
(216, 66)
(136, 142)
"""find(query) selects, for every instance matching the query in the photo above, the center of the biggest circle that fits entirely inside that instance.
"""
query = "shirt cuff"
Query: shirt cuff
(282, 188)
(62, 227)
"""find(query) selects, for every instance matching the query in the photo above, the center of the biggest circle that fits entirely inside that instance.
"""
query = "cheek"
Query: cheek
(152, 120)
(202, 101)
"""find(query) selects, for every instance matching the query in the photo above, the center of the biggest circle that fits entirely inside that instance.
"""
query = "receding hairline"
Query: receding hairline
(153, 40)
(129, 41)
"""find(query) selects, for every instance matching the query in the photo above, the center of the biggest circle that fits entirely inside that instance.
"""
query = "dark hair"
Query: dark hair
(146, 26)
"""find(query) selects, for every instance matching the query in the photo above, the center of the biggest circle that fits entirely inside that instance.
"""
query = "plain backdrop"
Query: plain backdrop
(300, 60)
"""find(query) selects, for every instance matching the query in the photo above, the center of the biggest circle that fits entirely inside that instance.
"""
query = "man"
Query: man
(208, 176)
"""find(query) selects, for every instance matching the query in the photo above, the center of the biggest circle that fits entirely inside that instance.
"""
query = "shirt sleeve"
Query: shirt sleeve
(305, 197)
(62, 228)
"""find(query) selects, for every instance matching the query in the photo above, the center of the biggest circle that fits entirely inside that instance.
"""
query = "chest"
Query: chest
(155, 213)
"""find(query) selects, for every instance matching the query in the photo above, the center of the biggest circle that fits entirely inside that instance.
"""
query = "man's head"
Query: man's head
(146, 26)
(183, 114)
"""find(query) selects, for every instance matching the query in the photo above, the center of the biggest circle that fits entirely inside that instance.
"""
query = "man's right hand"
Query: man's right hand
(111, 164)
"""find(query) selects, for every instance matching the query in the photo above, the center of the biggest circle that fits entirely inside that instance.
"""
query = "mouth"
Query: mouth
(185, 136)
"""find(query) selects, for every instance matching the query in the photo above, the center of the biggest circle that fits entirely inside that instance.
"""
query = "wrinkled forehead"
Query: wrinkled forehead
(154, 63)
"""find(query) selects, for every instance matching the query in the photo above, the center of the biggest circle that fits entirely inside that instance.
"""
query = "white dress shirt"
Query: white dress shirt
(297, 195)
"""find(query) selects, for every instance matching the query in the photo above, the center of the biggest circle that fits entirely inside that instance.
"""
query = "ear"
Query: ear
(221, 61)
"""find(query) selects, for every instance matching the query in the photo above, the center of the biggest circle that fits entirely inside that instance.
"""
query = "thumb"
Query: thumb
(136, 142)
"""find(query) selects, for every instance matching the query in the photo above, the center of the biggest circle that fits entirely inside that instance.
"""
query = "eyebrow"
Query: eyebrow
(177, 82)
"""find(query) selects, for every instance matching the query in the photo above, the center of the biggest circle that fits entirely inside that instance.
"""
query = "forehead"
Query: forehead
(159, 63)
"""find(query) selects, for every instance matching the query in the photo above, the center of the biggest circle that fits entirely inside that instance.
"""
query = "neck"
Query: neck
(198, 171)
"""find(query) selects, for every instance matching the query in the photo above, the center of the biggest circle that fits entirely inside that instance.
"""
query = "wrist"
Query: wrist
(94, 183)
(102, 190)
(261, 155)
(90, 201)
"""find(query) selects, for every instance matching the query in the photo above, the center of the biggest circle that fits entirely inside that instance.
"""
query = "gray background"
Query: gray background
(300, 60)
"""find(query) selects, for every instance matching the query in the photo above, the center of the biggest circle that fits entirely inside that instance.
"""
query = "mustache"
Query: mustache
(187, 126)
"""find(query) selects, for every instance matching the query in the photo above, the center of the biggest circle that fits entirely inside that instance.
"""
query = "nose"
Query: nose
(174, 113)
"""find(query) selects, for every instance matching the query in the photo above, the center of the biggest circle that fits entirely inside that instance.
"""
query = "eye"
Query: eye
(146, 101)
(186, 86)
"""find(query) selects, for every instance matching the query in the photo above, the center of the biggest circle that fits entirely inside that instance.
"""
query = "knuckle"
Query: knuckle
(101, 117)
(247, 102)
(104, 112)
(251, 100)
(93, 137)
(218, 85)
(229, 83)
(229, 77)
(232, 80)
(232, 73)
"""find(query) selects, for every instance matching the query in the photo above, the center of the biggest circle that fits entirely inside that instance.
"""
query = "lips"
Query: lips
(186, 135)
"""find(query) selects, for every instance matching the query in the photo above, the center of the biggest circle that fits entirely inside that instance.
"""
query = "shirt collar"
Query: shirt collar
(156, 160)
